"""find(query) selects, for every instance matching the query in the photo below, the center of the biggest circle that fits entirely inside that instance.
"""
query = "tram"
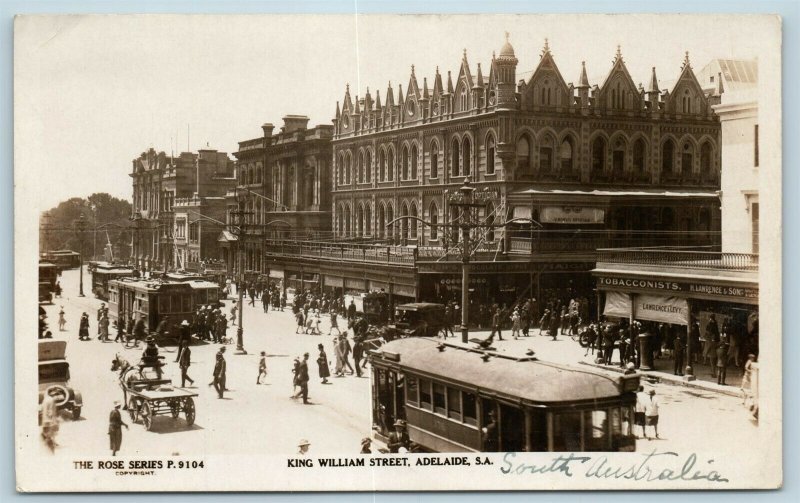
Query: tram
(65, 259)
(103, 272)
(447, 395)
(48, 274)
(156, 299)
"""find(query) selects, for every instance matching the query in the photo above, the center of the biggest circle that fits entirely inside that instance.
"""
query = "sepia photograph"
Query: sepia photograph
(397, 252)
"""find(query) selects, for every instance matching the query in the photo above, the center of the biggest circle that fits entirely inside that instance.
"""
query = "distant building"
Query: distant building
(733, 86)
(158, 181)
(284, 186)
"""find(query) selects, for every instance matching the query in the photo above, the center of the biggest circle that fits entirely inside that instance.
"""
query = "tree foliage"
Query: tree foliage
(107, 219)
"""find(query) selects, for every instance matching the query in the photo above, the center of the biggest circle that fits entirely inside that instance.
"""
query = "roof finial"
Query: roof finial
(507, 35)
(686, 61)
(546, 45)
(347, 87)
(619, 52)
(412, 70)
(437, 69)
(465, 53)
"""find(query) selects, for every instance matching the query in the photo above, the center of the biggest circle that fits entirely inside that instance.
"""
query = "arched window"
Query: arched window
(454, 231)
(340, 170)
(456, 158)
(390, 165)
(524, 153)
(389, 217)
(546, 154)
(618, 156)
(360, 168)
(381, 165)
(490, 149)
(686, 102)
(380, 228)
(347, 221)
(705, 159)
(462, 99)
(413, 224)
(360, 221)
(340, 221)
(433, 218)
(687, 157)
(599, 154)
(565, 155)
(367, 220)
(348, 172)
(668, 157)
(404, 222)
(414, 162)
(404, 159)
(467, 157)
(638, 156)
(368, 168)
(434, 160)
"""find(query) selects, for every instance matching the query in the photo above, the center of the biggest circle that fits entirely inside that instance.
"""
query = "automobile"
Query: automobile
(54, 374)
(419, 319)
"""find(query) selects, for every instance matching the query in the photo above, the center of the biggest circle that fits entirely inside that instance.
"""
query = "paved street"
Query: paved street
(255, 419)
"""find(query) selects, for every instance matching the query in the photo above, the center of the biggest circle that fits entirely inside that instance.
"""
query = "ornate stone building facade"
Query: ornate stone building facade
(283, 188)
(594, 165)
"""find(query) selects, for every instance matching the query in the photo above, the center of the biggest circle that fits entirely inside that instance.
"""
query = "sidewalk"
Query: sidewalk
(566, 351)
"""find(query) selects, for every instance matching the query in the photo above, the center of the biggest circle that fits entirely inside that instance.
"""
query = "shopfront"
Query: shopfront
(675, 296)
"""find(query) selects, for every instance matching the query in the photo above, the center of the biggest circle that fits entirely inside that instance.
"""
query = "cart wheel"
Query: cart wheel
(147, 416)
(174, 407)
(188, 408)
(133, 409)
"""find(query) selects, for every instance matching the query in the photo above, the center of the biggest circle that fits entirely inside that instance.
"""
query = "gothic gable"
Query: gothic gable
(618, 91)
(687, 97)
(546, 86)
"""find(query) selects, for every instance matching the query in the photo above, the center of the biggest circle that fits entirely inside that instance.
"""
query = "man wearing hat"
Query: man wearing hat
(220, 368)
(83, 328)
(184, 361)
(302, 378)
(365, 446)
(184, 337)
(115, 425)
(302, 447)
(100, 311)
(150, 356)
(138, 331)
(399, 437)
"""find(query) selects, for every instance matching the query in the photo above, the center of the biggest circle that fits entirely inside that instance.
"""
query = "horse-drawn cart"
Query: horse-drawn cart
(148, 398)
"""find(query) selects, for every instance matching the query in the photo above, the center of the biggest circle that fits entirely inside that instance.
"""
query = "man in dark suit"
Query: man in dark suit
(184, 361)
(399, 437)
(302, 378)
(219, 372)
(679, 347)
(115, 425)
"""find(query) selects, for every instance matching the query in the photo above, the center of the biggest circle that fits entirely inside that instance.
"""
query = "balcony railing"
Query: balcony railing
(693, 259)
(360, 253)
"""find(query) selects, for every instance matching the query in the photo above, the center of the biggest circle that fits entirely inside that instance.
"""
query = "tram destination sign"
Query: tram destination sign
(641, 284)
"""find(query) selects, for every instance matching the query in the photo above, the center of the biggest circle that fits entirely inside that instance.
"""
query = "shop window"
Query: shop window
(412, 391)
(567, 432)
(469, 408)
(439, 406)
(425, 400)
(598, 155)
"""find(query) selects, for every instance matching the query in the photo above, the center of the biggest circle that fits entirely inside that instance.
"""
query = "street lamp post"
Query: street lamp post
(241, 220)
(80, 227)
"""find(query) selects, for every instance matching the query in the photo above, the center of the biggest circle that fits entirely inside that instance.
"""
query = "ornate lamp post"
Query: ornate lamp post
(80, 228)
(466, 200)
(240, 218)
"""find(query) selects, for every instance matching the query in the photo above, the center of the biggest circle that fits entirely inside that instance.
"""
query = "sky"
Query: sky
(93, 92)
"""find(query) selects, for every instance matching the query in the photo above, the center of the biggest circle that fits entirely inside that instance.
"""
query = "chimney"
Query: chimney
(267, 128)
(294, 122)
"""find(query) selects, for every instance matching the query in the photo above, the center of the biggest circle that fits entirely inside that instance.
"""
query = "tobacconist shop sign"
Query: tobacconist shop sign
(698, 289)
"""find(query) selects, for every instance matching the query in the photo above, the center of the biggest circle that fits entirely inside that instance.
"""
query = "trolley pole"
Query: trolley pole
(80, 227)
(465, 285)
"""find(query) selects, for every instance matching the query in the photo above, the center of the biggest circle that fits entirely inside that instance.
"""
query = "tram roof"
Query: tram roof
(518, 378)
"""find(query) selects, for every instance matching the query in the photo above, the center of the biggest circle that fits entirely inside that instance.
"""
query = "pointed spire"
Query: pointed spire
(465, 54)
(400, 94)
(583, 81)
(358, 107)
(686, 61)
(450, 89)
(377, 99)
(479, 81)
(389, 96)
(412, 70)
(546, 48)
(425, 94)
(653, 86)
(618, 56)
(338, 112)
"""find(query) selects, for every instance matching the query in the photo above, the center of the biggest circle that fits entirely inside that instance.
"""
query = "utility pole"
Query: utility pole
(80, 227)
(240, 218)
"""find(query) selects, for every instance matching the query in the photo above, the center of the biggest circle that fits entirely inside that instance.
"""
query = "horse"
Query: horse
(127, 374)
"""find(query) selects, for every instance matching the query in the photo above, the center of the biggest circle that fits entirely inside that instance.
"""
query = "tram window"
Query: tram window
(412, 392)
(469, 408)
(438, 398)
(454, 403)
(212, 295)
(186, 304)
(163, 304)
(567, 432)
(595, 433)
(425, 394)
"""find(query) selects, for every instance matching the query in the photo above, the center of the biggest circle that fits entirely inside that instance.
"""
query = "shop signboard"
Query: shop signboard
(474, 267)
(660, 308)
(334, 281)
(696, 289)
(355, 284)
(572, 215)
